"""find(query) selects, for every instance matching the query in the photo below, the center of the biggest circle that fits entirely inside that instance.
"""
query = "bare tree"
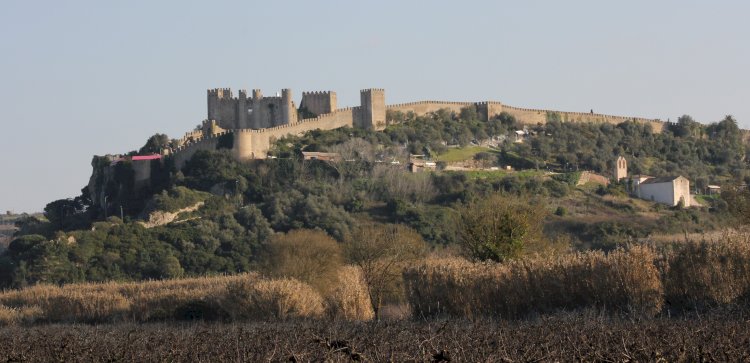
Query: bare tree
(381, 251)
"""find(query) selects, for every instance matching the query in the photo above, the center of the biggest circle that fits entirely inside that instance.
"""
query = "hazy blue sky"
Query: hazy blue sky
(79, 78)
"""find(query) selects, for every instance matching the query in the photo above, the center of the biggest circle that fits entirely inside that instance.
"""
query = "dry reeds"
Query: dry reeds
(238, 297)
(111, 301)
(619, 281)
(706, 274)
(265, 299)
(349, 299)
(13, 316)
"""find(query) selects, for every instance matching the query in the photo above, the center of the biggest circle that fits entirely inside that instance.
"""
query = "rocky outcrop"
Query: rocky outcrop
(160, 218)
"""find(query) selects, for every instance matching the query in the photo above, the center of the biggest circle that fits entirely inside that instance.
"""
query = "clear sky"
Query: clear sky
(79, 78)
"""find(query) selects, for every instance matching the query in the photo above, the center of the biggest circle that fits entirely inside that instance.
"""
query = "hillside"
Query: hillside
(223, 212)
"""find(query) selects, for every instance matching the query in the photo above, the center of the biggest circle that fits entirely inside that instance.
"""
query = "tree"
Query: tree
(307, 255)
(381, 252)
(738, 202)
(499, 228)
(154, 144)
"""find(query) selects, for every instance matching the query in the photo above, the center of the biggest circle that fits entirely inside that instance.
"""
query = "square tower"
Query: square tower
(372, 109)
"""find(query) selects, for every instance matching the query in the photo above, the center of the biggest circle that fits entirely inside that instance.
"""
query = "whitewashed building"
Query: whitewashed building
(666, 190)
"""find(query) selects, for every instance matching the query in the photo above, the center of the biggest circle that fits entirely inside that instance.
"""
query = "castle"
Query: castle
(248, 124)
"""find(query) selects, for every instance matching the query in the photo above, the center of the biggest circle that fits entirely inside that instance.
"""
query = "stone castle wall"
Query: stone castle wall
(275, 117)
(141, 173)
(254, 144)
(526, 116)
(424, 107)
(530, 116)
(183, 153)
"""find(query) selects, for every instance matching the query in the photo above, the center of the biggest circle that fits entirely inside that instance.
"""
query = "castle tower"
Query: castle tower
(318, 103)
(213, 103)
(620, 169)
(222, 107)
(242, 110)
(288, 111)
(372, 109)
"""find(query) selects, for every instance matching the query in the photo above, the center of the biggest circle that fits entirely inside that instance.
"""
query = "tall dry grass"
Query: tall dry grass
(624, 280)
(705, 274)
(13, 316)
(349, 300)
(271, 299)
(116, 301)
(238, 297)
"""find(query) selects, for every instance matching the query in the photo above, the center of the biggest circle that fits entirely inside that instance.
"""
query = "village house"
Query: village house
(713, 190)
(315, 155)
(417, 163)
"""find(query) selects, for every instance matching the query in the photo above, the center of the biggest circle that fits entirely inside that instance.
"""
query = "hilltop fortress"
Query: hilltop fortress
(249, 125)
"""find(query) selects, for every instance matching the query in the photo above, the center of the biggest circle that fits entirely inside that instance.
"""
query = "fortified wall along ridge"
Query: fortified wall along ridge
(253, 121)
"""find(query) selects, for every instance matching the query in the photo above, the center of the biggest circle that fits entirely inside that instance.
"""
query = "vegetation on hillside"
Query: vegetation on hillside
(247, 206)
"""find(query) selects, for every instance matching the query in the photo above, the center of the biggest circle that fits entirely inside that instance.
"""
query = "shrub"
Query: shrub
(499, 228)
(621, 281)
(307, 255)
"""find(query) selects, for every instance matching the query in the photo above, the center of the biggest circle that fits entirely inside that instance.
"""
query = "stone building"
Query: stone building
(669, 190)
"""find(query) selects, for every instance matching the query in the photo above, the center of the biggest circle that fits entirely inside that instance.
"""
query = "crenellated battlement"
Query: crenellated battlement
(315, 93)
(220, 93)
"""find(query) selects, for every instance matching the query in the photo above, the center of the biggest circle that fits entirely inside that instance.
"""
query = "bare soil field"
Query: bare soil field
(563, 337)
